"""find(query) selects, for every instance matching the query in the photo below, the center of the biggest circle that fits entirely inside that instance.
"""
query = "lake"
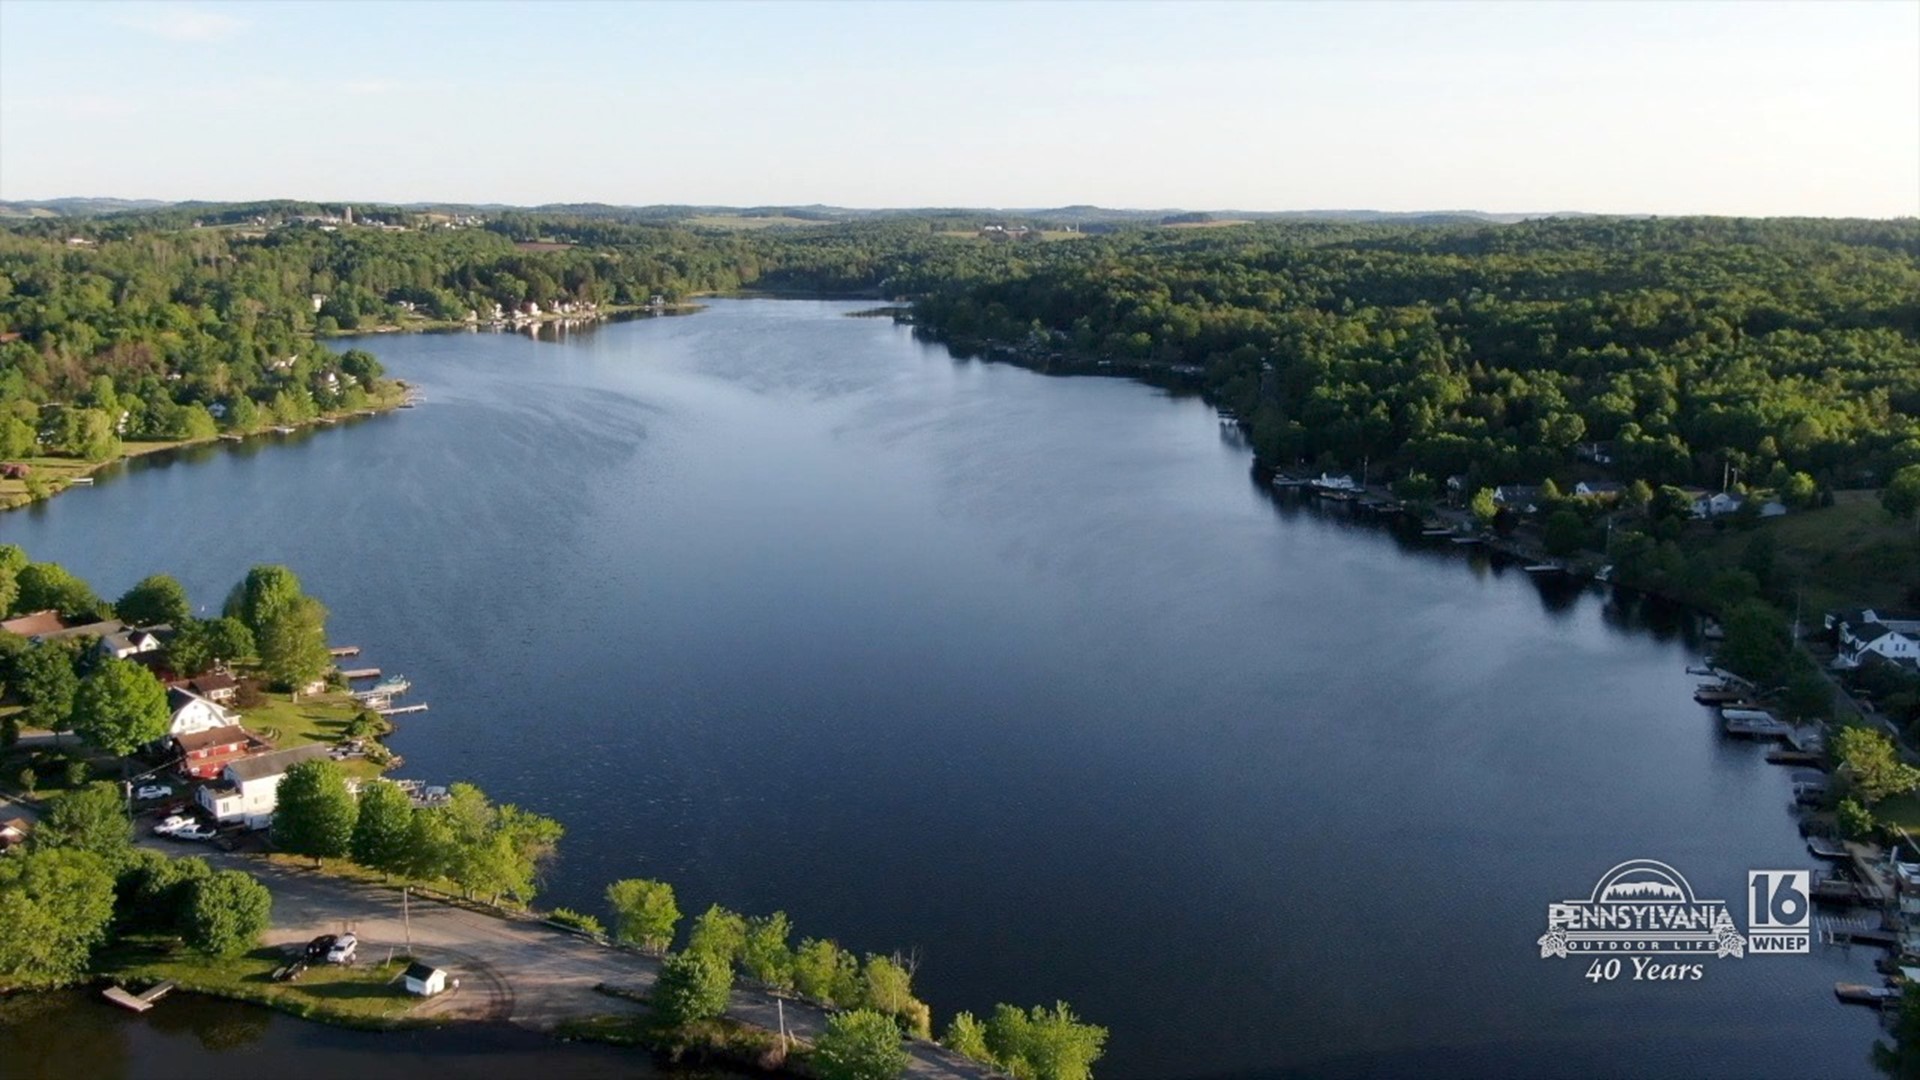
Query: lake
(1028, 675)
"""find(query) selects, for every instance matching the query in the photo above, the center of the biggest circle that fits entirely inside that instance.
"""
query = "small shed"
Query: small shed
(425, 979)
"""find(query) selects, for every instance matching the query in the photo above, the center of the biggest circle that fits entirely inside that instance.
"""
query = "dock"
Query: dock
(1825, 848)
(140, 1002)
(402, 710)
(1784, 756)
(344, 650)
(361, 673)
(1862, 994)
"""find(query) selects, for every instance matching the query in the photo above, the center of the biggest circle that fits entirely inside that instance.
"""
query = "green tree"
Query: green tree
(766, 954)
(382, 827)
(887, 985)
(44, 680)
(1756, 642)
(718, 933)
(1856, 821)
(91, 819)
(46, 586)
(967, 1036)
(825, 972)
(859, 1045)
(264, 594)
(1044, 1044)
(56, 907)
(198, 645)
(692, 986)
(228, 912)
(155, 600)
(1483, 507)
(120, 707)
(644, 912)
(293, 644)
(1809, 696)
(1901, 498)
(1871, 764)
(315, 813)
(157, 891)
(1564, 532)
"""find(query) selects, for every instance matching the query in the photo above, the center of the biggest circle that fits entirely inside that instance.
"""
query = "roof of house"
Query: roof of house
(16, 825)
(212, 681)
(422, 972)
(100, 629)
(273, 763)
(211, 737)
(179, 698)
(34, 624)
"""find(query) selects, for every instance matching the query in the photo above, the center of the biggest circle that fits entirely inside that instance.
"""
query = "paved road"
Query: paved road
(514, 970)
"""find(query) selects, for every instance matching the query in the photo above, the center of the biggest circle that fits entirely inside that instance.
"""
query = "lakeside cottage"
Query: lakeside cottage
(133, 641)
(1864, 634)
(189, 712)
(203, 754)
(247, 791)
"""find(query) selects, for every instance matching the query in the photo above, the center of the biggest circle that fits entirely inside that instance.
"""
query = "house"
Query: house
(425, 979)
(16, 470)
(1863, 633)
(132, 641)
(34, 624)
(216, 686)
(1600, 453)
(13, 833)
(1599, 489)
(189, 712)
(1522, 497)
(203, 754)
(247, 790)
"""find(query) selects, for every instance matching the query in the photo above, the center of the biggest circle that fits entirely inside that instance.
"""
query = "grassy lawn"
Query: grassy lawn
(324, 719)
(367, 994)
(1849, 554)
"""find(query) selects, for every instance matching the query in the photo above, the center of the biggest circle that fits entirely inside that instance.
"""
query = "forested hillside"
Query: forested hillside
(1691, 345)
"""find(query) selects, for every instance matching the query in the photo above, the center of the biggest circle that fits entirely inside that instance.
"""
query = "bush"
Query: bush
(247, 695)
(577, 921)
(226, 913)
(1856, 822)
(859, 1045)
(77, 773)
(692, 986)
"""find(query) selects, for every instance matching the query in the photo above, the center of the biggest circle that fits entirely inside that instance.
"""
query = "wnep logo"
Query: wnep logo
(1643, 914)
(1779, 912)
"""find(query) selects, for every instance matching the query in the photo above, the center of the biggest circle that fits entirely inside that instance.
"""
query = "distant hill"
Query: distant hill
(1066, 216)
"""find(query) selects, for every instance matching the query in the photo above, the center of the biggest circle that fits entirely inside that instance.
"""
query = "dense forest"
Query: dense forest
(1692, 346)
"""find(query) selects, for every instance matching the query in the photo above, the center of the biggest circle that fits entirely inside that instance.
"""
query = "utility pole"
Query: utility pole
(406, 916)
(781, 1004)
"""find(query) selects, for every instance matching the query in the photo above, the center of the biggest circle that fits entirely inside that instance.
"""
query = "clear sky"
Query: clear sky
(1691, 107)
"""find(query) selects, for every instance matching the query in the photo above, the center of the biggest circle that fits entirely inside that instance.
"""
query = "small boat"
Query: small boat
(1698, 669)
(1541, 568)
(1827, 848)
(1436, 532)
(1466, 539)
(1717, 695)
(1712, 632)
(284, 430)
(83, 481)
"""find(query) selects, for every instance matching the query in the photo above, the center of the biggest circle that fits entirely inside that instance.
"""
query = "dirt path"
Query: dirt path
(516, 970)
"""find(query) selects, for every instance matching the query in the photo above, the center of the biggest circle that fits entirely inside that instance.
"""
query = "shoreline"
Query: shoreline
(609, 314)
(73, 471)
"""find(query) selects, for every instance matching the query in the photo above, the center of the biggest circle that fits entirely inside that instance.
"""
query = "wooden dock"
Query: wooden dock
(138, 1002)
(402, 710)
(361, 673)
(344, 650)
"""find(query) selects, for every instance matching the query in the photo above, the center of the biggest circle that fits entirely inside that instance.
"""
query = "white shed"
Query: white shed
(425, 979)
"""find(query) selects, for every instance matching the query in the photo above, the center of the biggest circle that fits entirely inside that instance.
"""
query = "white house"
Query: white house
(131, 642)
(191, 713)
(1891, 635)
(1598, 489)
(425, 979)
(248, 789)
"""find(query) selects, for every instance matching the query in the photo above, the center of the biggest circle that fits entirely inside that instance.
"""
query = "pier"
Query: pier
(138, 1002)
(402, 710)
(360, 673)
(344, 650)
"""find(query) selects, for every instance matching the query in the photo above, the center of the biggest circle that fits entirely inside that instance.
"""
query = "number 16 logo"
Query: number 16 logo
(1779, 911)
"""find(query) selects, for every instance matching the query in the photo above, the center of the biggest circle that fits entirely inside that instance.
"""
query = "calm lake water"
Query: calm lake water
(1026, 674)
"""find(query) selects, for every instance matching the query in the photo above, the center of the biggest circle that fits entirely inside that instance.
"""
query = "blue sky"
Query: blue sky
(1694, 107)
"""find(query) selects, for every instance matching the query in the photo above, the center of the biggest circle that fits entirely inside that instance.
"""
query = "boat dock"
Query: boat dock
(138, 1002)
(361, 673)
(1826, 848)
(344, 650)
(402, 710)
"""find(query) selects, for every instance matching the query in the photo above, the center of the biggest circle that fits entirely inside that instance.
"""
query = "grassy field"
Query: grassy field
(368, 994)
(1850, 554)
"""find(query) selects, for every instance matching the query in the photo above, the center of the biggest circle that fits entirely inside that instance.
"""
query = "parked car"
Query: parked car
(194, 832)
(172, 825)
(152, 791)
(343, 949)
(319, 947)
